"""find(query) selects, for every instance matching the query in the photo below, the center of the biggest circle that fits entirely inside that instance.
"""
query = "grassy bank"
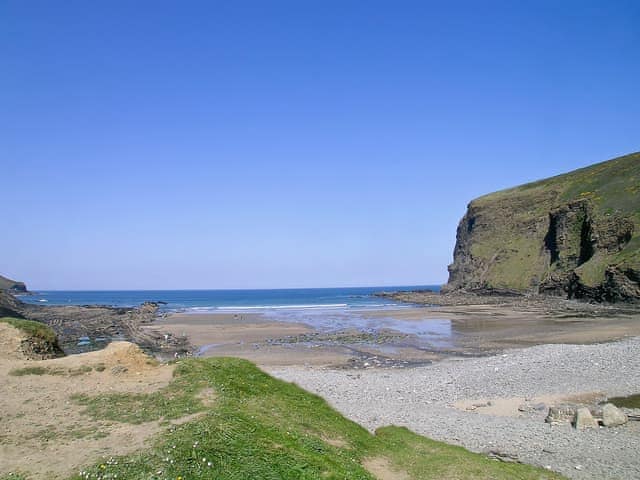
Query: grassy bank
(32, 329)
(247, 424)
(40, 341)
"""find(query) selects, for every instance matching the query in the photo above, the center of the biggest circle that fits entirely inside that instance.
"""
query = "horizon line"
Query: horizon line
(227, 289)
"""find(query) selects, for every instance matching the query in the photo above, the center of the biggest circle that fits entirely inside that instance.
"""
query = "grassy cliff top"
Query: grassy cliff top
(613, 185)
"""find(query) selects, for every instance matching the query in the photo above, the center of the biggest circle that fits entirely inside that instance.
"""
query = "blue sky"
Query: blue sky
(157, 144)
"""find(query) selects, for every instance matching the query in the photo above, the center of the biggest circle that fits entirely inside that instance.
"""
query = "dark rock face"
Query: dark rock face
(464, 267)
(569, 226)
(12, 285)
(40, 349)
(576, 236)
(9, 306)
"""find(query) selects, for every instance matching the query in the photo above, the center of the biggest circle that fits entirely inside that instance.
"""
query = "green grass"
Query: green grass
(31, 328)
(40, 370)
(80, 370)
(592, 272)
(258, 427)
(631, 401)
(13, 476)
(19, 372)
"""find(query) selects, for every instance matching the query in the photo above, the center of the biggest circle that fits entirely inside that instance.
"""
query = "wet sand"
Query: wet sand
(402, 337)
(246, 336)
(487, 327)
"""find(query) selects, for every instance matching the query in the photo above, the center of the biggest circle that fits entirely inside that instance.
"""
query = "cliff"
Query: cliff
(14, 286)
(9, 305)
(575, 235)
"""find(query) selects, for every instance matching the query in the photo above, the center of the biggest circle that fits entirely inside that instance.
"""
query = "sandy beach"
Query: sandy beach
(395, 337)
(247, 336)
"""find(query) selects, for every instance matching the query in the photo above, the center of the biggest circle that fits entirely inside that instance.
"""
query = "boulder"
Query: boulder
(612, 416)
(583, 419)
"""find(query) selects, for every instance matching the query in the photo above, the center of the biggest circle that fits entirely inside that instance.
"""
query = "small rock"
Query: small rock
(118, 369)
(584, 419)
(503, 457)
(562, 414)
(612, 416)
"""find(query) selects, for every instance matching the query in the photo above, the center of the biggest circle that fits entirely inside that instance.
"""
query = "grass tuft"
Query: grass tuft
(13, 476)
(19, 372)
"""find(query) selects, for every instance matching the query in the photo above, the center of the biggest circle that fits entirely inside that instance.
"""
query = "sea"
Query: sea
(203, 301)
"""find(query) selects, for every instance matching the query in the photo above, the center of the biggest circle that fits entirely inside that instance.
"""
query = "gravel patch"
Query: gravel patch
(422, 399)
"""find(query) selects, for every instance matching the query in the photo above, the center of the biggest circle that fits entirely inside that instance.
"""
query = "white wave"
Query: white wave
(284, 307)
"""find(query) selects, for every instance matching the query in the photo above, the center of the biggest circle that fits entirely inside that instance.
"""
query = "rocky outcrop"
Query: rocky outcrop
(29, 340)
(576, 235)
(9, 305)
(12, 285)
(35, 348)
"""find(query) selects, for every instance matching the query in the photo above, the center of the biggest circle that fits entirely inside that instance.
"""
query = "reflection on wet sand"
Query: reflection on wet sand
(386, 337)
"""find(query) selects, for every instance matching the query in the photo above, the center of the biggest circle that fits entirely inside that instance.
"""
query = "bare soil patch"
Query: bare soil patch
(44, 432)
(381, 468)
(517, 406)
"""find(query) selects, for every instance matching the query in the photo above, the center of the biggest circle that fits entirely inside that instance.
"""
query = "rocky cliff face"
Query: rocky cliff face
(14, 286)
(9, 305)
(575, 235)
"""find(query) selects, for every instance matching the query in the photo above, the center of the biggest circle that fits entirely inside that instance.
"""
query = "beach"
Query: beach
(481, 373)
(520, 384)
(401, 336)
(483, 379)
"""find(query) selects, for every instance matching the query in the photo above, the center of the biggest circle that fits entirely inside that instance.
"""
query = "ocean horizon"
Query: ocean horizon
(229, 300)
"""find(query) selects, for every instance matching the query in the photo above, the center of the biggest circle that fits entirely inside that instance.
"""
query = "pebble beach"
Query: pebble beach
(428, 401)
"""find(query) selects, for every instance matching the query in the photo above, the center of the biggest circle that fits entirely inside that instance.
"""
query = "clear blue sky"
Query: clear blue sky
(188, 144)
